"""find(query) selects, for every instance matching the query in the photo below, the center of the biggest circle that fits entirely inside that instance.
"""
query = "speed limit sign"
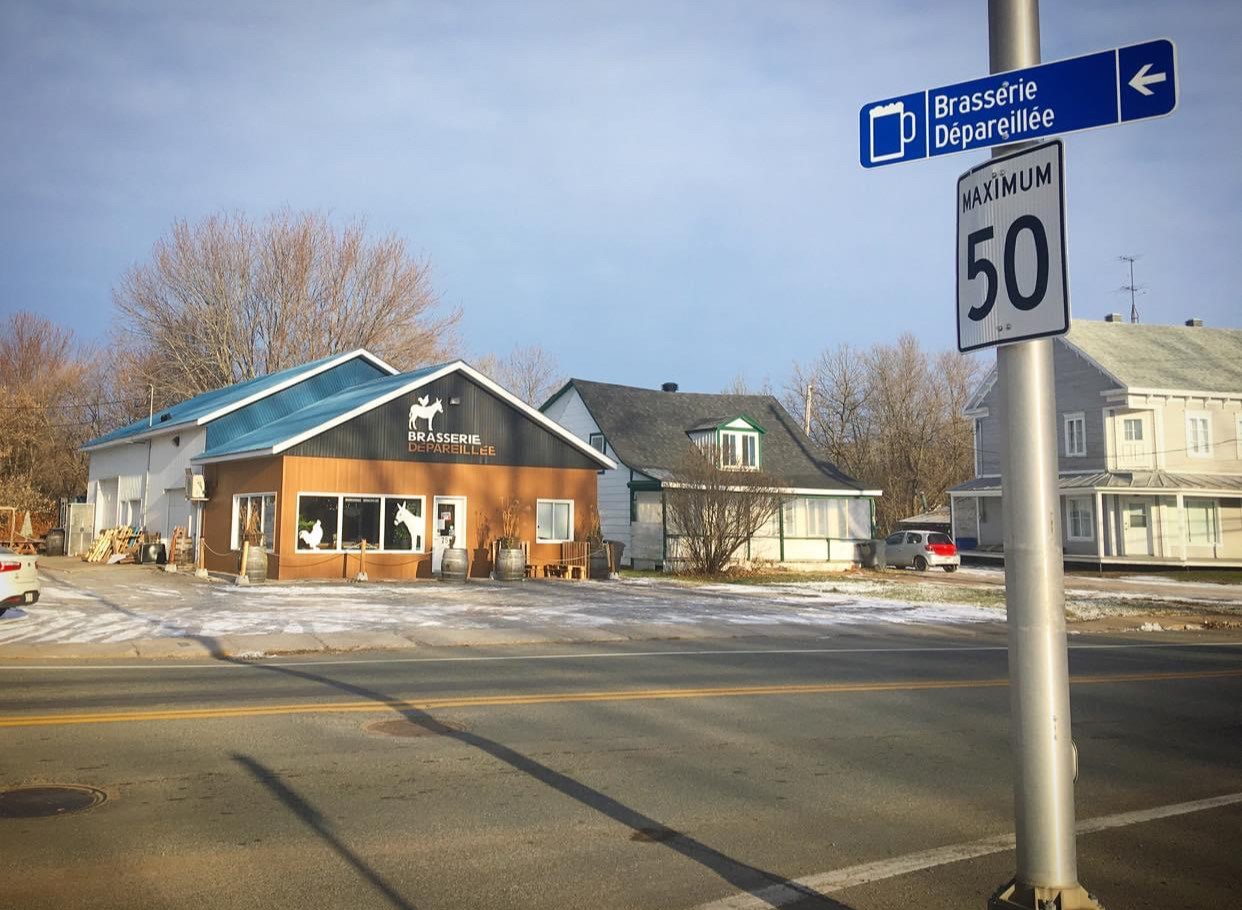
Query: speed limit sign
(1012, 282)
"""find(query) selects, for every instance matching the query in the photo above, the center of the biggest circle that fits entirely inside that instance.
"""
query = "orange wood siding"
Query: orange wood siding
(484, 486)
(224, 481)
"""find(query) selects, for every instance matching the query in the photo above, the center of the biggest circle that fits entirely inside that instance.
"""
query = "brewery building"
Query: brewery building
(317, 460)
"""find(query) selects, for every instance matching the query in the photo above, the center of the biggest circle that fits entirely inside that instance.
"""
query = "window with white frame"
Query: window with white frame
(254, 513)
(1075, 435)
(1079, 521)
(1198, 434)
(404, 526)
(554, 520)
(338, 522)
(1202, 522)
(1133, 429)
(739, 450)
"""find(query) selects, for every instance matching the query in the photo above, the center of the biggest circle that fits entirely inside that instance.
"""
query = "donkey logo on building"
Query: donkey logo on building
(425, 411)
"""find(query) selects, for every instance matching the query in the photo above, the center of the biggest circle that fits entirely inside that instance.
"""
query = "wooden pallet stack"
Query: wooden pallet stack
(111, 542)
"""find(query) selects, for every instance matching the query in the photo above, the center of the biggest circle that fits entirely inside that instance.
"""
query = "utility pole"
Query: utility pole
(1046, 875)
(1132, 288)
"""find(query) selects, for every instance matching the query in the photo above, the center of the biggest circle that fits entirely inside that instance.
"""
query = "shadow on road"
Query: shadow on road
(740, 875)
(313, 820)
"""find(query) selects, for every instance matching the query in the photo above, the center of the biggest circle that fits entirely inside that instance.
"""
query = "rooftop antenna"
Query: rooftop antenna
(1133, 288)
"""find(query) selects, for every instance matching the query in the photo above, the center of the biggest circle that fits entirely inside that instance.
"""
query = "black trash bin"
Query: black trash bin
(56, 542)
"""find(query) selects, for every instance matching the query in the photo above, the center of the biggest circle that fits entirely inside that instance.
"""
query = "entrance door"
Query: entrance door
(1136, 526)
(449, 530)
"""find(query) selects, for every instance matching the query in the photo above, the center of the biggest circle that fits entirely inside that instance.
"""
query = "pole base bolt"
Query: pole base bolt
(1016, 896)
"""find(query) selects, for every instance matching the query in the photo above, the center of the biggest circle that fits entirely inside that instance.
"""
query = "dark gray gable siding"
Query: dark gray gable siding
(273, 407)
(383, 432)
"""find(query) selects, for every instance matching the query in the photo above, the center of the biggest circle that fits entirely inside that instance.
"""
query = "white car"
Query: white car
(921, 549)
(19, 579)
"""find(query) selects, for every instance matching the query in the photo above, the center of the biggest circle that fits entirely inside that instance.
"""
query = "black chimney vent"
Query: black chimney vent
(669, 387)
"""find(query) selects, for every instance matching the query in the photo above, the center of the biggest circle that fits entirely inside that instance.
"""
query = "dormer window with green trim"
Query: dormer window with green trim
(739, 444)
(739, 450)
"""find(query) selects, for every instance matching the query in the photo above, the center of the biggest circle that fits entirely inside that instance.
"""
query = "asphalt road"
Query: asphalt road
(650, 775)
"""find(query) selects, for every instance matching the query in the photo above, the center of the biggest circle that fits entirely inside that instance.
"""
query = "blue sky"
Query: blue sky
(652, 191)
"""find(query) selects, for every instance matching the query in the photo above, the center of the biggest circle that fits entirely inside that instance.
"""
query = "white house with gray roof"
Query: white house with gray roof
(1149, 429)
(648, 431)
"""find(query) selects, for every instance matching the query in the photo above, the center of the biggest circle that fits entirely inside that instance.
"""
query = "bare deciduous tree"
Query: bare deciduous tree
(712, 511)
(891, 416)
(227, 299)
(530, 372)
(47, 410)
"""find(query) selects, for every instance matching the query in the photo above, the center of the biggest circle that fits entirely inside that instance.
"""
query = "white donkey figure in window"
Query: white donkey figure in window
(425, 411)
(410, 520)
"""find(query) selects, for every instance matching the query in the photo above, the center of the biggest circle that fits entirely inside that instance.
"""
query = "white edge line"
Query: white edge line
(218, 664)
(864, 873)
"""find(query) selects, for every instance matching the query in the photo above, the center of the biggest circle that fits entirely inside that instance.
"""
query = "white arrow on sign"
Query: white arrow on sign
(1141, 80)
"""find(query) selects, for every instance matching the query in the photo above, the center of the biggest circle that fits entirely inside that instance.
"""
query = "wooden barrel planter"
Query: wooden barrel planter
(454, 564)
(510, 565)
(255, 568)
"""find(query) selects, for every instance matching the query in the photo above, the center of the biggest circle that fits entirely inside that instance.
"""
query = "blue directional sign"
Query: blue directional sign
(1101, 89)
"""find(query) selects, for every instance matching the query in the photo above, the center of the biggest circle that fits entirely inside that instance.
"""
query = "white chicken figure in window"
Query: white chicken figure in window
(312, 537)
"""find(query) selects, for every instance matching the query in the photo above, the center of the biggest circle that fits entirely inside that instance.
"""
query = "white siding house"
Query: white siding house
(1148, 422)
(825, 518)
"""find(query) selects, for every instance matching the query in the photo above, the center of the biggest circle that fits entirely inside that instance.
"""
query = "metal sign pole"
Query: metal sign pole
(1046, 864)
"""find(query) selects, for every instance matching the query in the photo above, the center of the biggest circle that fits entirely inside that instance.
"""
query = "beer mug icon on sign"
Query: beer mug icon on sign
(889, 130)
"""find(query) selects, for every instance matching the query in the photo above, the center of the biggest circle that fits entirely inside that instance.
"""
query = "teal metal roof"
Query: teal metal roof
(191, 410)
(265, 438)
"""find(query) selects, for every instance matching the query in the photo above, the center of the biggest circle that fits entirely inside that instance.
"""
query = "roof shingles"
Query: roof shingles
(1174, 357)
(647, 429)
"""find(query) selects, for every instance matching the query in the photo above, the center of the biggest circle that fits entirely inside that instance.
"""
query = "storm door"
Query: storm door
(449, 528)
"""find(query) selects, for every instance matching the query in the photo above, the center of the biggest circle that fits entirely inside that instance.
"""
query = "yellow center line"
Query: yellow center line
(477, 701)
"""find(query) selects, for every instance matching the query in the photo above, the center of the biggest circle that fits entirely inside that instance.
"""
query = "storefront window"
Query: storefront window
(360, 520)
(403, 523)
(318, 522)
(254, 513)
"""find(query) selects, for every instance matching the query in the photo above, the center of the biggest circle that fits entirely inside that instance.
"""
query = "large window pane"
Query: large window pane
(360, 521)
(317, 522)
(403, 524)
